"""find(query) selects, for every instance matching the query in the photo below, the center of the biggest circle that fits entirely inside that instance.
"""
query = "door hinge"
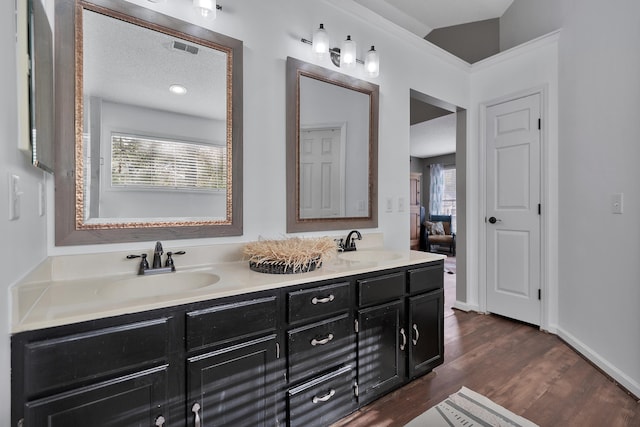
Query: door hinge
(356, 328)
(539, 294)
(356, 391)
(539, 209)
(539, 124)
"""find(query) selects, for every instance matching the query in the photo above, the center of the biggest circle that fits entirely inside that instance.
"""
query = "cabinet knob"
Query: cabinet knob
(415, 329)
(160, 421)
(195, 409)
(404, 339)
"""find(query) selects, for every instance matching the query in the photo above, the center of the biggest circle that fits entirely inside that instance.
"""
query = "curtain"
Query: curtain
(436, 190)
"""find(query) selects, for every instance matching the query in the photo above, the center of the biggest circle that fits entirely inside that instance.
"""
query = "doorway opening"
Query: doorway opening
(437, 186)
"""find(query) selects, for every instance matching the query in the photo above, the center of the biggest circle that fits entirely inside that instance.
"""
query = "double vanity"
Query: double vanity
(219, 344)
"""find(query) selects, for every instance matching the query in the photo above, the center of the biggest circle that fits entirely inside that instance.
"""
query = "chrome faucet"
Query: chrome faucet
(156, 266)
(157, 256)
(350, 242)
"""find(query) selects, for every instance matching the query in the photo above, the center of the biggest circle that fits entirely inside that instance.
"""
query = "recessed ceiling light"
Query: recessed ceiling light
(178, 89)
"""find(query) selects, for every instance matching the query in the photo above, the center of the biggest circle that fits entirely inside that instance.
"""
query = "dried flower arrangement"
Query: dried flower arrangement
(291, 255)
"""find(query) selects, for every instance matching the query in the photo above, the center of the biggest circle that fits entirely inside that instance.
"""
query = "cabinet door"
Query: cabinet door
(382, 341)
(426, 329)
(234, 386)
(139, 399)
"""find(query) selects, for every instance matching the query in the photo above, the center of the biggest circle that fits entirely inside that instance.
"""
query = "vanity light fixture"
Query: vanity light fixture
(207, 8)
(344, 56)
(320, 42)
(177, 89)
(372, 63)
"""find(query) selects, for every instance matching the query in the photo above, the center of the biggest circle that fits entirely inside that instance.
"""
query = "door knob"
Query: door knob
(493, 220)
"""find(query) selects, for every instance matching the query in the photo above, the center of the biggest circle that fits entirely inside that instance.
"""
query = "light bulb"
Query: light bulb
(348, 53)
(320, 42)
(206, 8)
(372, 63)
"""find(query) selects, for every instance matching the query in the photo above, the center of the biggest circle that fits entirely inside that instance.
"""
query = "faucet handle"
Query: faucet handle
(144, 264)
(169, 261)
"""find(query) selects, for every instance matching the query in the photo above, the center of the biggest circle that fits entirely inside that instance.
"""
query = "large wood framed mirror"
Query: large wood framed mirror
(149, 126)
(332, 149)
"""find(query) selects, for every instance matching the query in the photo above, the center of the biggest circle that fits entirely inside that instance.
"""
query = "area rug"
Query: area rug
(469, 409)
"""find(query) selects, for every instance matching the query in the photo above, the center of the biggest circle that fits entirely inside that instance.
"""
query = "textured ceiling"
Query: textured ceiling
(422, 16)
(133, 65)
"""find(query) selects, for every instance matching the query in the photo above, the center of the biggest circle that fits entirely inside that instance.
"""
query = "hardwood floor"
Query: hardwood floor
(531, 373)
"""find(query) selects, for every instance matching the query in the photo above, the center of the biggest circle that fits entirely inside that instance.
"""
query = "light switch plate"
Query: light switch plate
(14, 197)
(616, 203)
(389, 204)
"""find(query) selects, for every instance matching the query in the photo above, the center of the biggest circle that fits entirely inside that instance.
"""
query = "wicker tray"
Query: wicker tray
(279, 267)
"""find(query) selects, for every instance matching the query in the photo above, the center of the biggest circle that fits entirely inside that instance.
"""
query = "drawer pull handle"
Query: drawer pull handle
(415, 329)
(324, 398)
(404, 339)
(315, 342)
(316, 300)
(160, 421)
(195, 409)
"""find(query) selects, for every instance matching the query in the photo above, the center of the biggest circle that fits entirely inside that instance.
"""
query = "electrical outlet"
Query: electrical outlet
(400, 204)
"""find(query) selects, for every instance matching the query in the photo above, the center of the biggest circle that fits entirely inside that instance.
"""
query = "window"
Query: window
(449, 195)
(157, 164)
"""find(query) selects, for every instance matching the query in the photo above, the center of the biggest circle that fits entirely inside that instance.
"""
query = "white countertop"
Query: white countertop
(43, 301)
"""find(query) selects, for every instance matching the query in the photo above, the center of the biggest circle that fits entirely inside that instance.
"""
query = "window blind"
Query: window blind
(165, 164)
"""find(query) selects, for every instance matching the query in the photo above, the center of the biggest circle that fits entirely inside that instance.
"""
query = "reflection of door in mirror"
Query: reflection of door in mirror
(322, 186)
(415, 202)
(334, 180)
(155, 130)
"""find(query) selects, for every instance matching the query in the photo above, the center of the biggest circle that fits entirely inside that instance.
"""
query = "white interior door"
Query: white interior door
(321, 173)
(513, 218)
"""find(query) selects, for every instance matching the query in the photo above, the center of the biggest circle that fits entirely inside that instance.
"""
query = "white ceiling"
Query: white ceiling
(434, 137)
(422, 16)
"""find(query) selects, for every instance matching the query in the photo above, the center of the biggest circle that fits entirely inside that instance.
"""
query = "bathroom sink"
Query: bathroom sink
(369, 255)
(158, 285)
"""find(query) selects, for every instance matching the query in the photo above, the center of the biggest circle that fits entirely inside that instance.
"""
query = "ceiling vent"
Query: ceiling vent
(183, 47)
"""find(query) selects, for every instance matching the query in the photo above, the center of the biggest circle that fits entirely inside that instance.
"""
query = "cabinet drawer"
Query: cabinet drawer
(320, 346)
(227, 322)
(85, 357)
(318, 301)
(427, 278)
(380, 289)
(322, 401)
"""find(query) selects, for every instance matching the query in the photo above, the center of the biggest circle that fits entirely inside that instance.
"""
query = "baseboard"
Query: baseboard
(601, 363)
(465, 307)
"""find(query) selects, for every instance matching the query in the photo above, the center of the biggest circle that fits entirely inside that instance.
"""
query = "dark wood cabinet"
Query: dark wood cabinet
(426, 328)
(235, 385)
(306, 355)
(139, 399)
(382, 342)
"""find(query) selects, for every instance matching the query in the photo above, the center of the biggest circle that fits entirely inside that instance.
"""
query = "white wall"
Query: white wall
(406, 62)
(270, 31)
(23, 243)
(598, 152)
(525, 20)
